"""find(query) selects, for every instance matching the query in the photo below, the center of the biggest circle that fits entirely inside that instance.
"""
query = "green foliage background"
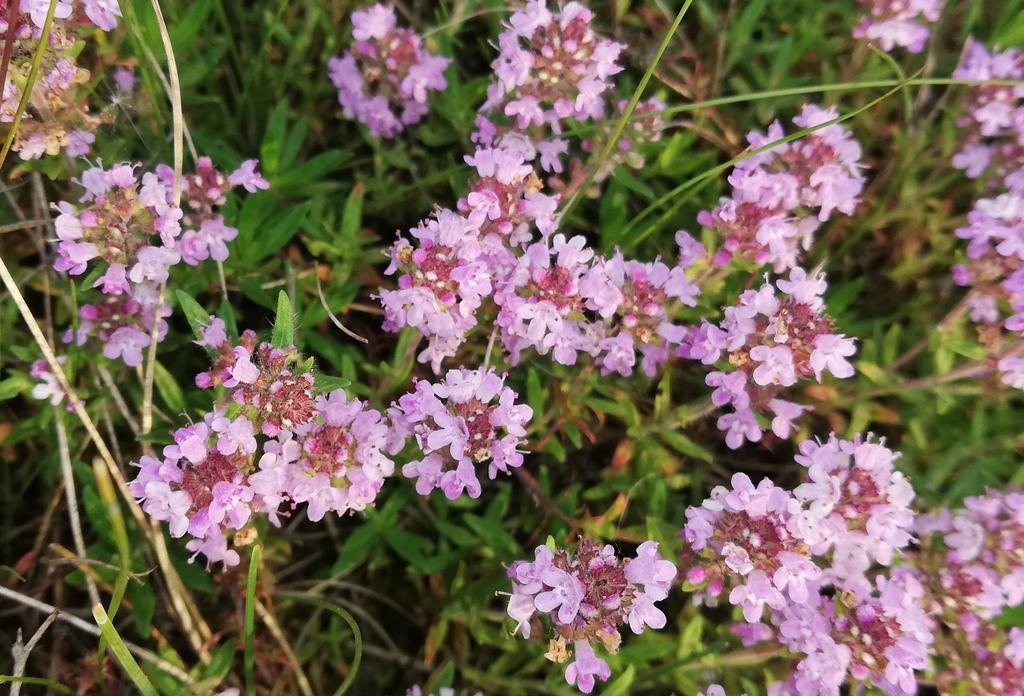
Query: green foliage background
(621, 458)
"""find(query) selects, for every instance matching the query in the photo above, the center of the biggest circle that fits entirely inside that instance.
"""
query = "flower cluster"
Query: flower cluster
(994, 266)
(972, 563)
(781, 196)
(772, 338)
(444, 280)
(205, 234)
(132, 229)
(904, 23)
(807, 555)
(468, 418)
(551, 67)
(857, 507)
(58, 117)
(383, 80)
(751, 539)
(586, 597)
(121, 326)
(993, 122)
(326, 451)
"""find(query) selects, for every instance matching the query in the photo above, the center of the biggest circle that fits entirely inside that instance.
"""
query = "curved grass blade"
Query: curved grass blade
(124, 658)
(357, 636)
(714, 171)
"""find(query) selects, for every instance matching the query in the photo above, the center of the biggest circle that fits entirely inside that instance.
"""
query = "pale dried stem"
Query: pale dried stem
(178, 125)
(91, 629)
(118, 398)
(20, 651)
(274, 627)
(330, 315)
(68, 475)
(24, 225)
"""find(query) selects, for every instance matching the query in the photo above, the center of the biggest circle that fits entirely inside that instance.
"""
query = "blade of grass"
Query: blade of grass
(105, 487)
(72, 620)
(26, 94)
(357, 636)
(124, 658)
(590, 126)
(613, 141)
(714, 171)
(36, 681)
(250, 619)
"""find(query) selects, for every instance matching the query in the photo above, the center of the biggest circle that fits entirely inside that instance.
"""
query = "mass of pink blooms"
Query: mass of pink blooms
(772, 338)
(993, 151)
(899, 23)
(582, 598)
(841, 572)
(782, 195)
(127, 229)
(384, 79)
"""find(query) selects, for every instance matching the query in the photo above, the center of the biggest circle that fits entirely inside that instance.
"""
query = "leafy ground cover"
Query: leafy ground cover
(358, 349)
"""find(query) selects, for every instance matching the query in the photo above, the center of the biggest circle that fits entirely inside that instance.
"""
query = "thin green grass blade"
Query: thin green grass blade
(250, 620)
(357, 636)
(714, 171)
(26, 94)
(124, 658)
(612, 143)
(105, 487)
(37, 681)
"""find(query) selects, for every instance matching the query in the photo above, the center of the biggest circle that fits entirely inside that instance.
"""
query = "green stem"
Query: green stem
(714, 171)
(106, 490)
(357, 636)
(26, 93)
(128, 664)
(250, 619)
(630, 108)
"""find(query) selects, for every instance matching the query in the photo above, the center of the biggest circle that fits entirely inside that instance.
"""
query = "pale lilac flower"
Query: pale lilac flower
(903, 23)
(468, 418)
(102, 13)
(776, 336)
(47, 387)
(551, 67)
(384, 78)
(586, 597)
(781, 196)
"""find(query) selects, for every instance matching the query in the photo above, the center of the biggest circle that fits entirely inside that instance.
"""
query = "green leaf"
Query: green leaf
(196, 316)
(684, 445)
(328, 383)
(351, 219)
(443, 678)
(169, 389)
(357, 548)
(143, 606)
(273, 138)
(265, 240)
(312, 170)
(622, 683)
(12, 386)
(284, 327)
(968, 349)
